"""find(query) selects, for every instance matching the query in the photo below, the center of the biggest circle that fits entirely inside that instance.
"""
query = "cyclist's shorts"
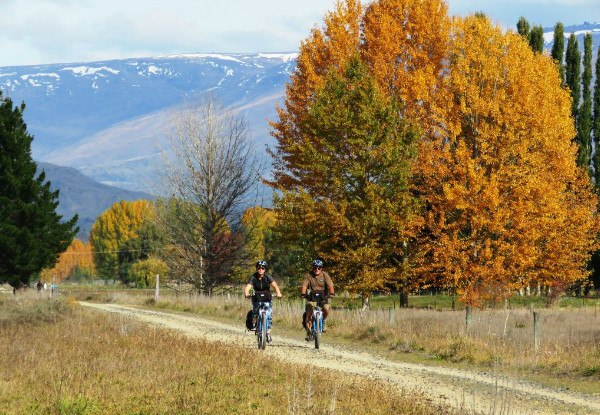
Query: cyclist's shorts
(310, 305)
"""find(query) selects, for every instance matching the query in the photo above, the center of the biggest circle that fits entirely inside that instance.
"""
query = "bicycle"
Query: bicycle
(317, 318)
(262, 326)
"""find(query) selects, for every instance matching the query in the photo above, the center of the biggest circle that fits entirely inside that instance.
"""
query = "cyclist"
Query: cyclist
(317, 281)
(262, 282)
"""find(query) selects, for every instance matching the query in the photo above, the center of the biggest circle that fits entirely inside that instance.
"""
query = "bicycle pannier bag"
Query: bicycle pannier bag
(317, 296)
(249, 320)
(262, 296)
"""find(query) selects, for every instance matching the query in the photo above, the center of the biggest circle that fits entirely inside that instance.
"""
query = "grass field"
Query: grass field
(56, 358)
(497, 339)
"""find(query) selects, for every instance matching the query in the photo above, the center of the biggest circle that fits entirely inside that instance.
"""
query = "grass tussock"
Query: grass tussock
(497, 338)
(82, 362)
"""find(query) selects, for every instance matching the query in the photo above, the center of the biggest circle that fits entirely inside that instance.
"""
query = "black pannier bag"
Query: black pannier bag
(249, 320)
(261, 296)
(304, 320)
(317, 296)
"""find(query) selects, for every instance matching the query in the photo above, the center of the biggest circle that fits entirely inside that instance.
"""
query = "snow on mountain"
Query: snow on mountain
(108, 119)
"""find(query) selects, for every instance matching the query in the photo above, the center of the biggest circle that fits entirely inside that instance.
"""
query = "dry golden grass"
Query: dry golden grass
(56, 358)
(502, 339)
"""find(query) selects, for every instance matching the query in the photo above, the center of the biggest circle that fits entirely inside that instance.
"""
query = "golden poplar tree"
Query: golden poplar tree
(506, 204)
(76, 259)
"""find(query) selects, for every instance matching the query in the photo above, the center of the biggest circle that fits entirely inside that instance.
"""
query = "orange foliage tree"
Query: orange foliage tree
(504, 203)
(77, 259)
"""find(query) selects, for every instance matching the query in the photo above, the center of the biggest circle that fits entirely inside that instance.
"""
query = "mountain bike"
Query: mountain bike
(317, 319)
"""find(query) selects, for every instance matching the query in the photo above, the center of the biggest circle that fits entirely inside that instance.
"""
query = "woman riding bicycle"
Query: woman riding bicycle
(317, 281)
(261, 283)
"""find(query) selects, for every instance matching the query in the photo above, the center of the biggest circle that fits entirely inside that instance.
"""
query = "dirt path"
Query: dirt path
(477, 391)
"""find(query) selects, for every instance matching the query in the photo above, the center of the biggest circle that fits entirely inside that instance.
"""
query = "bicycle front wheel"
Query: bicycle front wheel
(263, 332)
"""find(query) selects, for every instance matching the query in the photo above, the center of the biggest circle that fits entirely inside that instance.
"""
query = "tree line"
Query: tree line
(413, 151)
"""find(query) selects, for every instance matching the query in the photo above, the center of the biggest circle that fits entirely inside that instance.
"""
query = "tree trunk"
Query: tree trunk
(403, 299)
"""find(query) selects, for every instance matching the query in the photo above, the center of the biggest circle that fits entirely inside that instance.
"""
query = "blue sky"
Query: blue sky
(52, 31)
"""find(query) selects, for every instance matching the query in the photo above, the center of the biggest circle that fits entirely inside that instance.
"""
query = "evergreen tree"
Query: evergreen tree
(584, 120)
(596, 124)
(31, 232)
(523, 27)
(536, 39)
(558, 49)
(573, 82)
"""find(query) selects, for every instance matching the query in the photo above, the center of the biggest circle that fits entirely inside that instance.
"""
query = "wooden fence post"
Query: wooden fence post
(391, 319)
(468, 317)
(536, 331)
(156, 290)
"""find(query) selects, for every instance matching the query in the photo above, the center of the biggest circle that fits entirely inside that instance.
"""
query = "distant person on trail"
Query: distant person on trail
(39, 285)
(316, 281)
(261, 283)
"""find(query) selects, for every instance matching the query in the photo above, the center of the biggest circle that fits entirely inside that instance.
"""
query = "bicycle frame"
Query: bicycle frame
(317, 325)
(262, 326)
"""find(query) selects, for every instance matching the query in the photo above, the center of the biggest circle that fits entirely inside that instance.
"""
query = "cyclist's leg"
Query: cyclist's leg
(325, 307)
(255, 307)
(269, 306)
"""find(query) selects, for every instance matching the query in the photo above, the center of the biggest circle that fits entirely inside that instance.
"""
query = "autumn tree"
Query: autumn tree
(558, 49)
(356, 207)
(76, 262)
(32, 234)
(111, 234)
(212, 173)
(506, 204)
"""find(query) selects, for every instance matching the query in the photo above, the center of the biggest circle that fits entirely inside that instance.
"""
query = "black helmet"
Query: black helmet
(261, 263)
(317, 263)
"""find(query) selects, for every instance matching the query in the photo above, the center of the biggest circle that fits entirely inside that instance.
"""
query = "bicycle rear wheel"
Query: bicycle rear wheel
(317, 333)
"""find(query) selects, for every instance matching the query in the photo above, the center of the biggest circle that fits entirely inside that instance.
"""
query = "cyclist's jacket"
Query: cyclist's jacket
(261, 284)
(314, 283)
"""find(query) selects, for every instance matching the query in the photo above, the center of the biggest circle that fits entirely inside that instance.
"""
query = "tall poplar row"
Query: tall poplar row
(558, 49)
(573, 82)
(584, 119)
(596, 124)
(536, 39)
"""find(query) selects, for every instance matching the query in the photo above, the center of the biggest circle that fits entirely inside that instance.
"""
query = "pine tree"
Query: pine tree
(31, 232)
(536, 39)
(558, 49)
(584, 120)
(523, 27)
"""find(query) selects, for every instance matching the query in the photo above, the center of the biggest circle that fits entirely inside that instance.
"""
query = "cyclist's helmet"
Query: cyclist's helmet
(317, 263)
(261, 263)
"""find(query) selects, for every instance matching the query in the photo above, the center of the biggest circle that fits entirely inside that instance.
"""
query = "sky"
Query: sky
(65, 31)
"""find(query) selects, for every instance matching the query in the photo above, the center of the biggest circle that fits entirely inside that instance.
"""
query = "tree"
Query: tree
(573, 73)
(558, 49)
(32, 234)
(506, 204)
(584, 120)
(536, 39)
(77, 260)
(351, 199)
(211, 176)
(596, 126)
(112, 235)
(523, 28)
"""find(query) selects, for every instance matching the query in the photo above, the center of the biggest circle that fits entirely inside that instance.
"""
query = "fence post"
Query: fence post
(536, 331)
(156, 290)
(391, 319)
(468, 317)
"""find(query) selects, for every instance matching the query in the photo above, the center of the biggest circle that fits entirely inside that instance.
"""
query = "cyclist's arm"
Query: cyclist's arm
(278, 293)
(329, 284)
(304, 285)
(247, 289)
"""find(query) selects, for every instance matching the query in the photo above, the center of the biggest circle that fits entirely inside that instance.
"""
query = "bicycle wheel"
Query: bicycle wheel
(317, 334)
(263, 331)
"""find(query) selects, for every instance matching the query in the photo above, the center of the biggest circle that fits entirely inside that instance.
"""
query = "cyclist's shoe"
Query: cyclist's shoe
(308, 335)
(269, 339)
(324, 326)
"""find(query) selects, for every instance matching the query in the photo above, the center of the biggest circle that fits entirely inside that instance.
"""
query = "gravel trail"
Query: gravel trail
(475, 391)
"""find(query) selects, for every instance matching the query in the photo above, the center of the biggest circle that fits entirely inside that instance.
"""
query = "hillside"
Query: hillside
(109, 119)
(84, 196)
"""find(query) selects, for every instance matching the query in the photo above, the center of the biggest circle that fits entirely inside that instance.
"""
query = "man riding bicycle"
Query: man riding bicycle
(262, 283)
(317, 281)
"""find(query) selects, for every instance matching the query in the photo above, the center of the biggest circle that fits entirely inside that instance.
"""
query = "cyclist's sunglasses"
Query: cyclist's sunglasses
(261, 267)
(317, 267)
